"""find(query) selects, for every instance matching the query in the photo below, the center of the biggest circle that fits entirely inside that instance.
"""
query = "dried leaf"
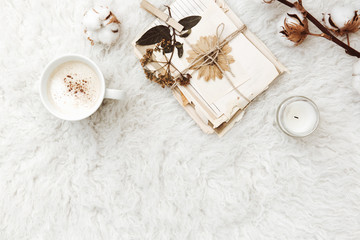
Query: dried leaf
(190, 22)
(180, 51)
(186, 34)
(154, 35)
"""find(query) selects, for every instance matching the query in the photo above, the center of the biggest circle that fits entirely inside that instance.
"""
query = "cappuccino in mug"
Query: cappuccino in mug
(74, 88)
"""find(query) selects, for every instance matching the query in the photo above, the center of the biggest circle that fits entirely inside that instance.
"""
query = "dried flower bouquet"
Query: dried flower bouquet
(165, 39)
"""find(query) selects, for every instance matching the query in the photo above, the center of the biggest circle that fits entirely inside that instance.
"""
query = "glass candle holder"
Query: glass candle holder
(298, 116)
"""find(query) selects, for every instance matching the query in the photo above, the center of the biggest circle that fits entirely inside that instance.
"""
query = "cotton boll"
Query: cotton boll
(341, 15)
(342, 20)
(114, 27)
(293, 28)
(103, 12)
(101, 25)
(92, 36)
(106, 36)
(281, 37)
(91, 20)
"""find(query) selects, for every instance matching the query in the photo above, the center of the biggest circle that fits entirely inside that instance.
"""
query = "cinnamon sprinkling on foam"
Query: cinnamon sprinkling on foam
(76, 86)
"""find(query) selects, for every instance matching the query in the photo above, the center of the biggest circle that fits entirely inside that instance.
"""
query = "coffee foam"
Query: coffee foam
(74, 88)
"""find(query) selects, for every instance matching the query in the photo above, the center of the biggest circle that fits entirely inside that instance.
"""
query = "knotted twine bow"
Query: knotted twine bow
(210, 57)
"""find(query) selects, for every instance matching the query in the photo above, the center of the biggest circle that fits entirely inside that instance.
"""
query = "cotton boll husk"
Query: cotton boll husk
(294, 11)
(284, 41)
(113, 27)
(327, 21)
(290, 20)
(91, 20)
(281, 37)
(259, 1)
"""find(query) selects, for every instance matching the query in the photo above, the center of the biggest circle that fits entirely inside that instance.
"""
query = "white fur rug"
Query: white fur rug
(142, 169)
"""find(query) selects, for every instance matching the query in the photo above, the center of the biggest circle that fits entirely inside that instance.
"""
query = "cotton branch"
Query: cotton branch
(298, 5)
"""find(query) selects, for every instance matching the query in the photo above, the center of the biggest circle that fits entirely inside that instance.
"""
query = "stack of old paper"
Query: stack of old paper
(216, 105)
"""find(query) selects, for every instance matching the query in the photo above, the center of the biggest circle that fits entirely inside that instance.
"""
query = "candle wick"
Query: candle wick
(296, 117)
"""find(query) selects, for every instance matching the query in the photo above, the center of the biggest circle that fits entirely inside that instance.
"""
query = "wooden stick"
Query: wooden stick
(161, 15)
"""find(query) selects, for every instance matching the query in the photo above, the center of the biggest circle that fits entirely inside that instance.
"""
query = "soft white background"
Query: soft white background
(142, 169)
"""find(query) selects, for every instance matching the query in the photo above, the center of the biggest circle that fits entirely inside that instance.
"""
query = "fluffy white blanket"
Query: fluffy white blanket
(142, 169)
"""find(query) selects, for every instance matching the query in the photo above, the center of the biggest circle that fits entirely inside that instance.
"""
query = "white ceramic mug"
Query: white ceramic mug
(104, 92)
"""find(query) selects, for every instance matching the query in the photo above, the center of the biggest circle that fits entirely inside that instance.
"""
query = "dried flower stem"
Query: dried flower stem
(348, 39)
(298, 5)
(164, 36)
(174, 40)
(319, 35)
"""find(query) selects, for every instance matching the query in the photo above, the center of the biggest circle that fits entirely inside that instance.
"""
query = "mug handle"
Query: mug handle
(115, 94)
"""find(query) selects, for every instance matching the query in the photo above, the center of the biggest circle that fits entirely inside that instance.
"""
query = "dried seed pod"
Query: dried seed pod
(342, 20)
(101, 25)
(294, 28)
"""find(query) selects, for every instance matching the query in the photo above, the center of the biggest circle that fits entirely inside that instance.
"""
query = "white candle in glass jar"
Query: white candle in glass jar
(298, 116)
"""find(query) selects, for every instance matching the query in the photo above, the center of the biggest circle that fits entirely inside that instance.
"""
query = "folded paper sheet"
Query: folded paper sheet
(217, 104)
